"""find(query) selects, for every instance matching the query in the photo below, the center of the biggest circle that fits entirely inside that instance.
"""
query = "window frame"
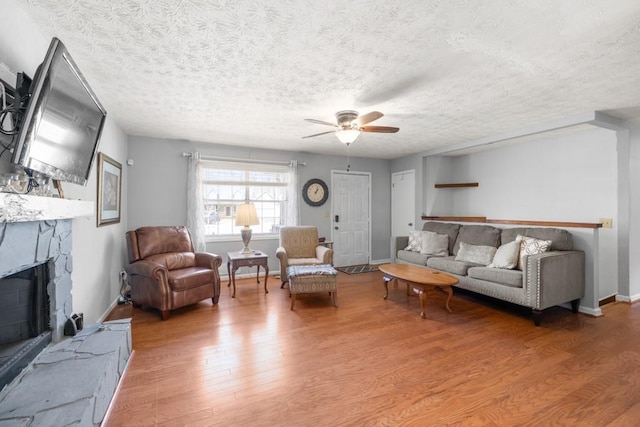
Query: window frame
(228, 204)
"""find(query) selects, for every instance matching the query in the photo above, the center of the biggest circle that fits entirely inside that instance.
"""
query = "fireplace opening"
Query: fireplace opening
(24, 319)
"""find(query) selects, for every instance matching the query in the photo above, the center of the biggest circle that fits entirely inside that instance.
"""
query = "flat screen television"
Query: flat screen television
(62, 122)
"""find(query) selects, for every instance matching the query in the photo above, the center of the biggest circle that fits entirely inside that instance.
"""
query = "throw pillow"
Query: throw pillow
(531, 246)
(506, 256)
(477, 254)
(415, 241)
(434, 244)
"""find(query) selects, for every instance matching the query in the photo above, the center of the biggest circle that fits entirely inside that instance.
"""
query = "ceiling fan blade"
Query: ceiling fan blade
(380, 129)
(369, 117)
(318, 134)
(320, 122)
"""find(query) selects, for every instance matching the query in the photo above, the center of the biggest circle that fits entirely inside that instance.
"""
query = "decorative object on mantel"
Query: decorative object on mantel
(109, 190)
(246, 215)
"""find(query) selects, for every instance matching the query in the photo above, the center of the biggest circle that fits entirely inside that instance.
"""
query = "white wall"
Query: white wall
(98, 253)
(571, 178)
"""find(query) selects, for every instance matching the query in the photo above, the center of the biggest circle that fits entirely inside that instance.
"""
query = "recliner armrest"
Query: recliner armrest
(208, 260)
(147, 268)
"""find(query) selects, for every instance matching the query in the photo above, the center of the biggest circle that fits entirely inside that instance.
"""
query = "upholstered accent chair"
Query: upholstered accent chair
(166, 273)
(299, 246)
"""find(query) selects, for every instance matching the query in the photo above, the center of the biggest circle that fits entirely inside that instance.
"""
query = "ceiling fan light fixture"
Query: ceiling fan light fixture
(348, 136)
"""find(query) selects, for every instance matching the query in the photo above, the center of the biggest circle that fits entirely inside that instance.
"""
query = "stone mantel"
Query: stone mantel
(22, 208)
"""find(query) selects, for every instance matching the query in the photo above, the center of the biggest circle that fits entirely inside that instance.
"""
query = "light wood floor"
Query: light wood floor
(250, 361)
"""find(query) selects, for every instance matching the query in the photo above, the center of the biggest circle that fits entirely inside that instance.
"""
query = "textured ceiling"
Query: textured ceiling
(247, 72)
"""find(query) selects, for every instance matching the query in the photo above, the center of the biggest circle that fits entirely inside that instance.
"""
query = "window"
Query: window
(225, 185)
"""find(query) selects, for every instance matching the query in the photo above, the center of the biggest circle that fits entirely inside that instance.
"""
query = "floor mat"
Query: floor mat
(356, 269)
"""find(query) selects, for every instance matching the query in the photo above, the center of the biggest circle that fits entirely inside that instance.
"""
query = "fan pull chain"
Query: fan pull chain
(348, 165)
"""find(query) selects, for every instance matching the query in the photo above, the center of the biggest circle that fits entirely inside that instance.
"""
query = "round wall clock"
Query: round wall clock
(315, 192)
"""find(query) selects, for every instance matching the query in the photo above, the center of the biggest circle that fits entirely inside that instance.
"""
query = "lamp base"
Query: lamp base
(246, 238)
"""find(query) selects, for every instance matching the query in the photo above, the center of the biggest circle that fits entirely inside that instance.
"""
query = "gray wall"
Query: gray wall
(158, 186)
(98, 253)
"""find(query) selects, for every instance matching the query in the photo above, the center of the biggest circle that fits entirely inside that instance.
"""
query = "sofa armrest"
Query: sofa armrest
(553, 278)
(324, 254)
(398, 243)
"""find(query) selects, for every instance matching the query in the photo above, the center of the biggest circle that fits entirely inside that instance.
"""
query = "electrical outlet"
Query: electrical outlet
(606, 222)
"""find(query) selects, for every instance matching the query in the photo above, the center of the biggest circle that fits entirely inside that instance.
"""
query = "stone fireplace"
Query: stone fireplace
(70, 380)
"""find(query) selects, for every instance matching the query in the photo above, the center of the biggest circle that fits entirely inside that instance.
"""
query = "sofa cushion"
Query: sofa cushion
(434, 244)
(512, 278)
(415, 241)
(561, 240)
(506, 256)
(450, 230)
(477, 254)
(450, 265)
(412, 257)
(485, 235)
(531, 246)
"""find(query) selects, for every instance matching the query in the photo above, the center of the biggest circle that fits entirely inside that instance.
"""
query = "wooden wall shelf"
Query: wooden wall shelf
(514, 221)
(457, 185)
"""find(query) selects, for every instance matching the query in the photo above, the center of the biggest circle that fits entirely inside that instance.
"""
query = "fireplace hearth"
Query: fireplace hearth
(68, 381)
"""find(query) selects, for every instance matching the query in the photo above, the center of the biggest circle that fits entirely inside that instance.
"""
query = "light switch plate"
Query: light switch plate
(606, 222)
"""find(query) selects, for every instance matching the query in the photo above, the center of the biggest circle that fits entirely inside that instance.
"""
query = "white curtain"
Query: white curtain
(195, 203)
(293, 207)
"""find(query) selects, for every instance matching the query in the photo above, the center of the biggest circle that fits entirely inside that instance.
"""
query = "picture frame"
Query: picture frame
(109, 190)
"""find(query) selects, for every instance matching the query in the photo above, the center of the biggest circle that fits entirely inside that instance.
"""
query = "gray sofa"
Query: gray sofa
(547, 279)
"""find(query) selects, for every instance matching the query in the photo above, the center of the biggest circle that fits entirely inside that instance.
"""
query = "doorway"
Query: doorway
(403, 203)
(350, 217)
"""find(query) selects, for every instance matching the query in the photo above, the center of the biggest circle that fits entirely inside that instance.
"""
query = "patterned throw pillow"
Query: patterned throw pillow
(531, 246)
(415, 241)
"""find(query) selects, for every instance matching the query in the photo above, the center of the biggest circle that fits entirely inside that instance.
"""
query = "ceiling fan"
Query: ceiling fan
(350, 124)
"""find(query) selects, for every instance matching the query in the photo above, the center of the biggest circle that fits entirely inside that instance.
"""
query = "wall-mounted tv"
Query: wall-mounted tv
(63, 120)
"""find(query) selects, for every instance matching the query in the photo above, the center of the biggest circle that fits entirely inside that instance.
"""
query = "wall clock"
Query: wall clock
(315, 192)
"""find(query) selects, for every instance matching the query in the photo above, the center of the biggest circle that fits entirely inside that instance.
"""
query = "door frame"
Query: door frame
(413, 214)
(368, 175)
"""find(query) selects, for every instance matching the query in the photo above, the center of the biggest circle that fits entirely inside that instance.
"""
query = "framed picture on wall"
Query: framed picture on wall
(109, 190)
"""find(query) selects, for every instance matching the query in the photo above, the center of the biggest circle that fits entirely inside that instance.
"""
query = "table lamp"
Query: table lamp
(246, 215)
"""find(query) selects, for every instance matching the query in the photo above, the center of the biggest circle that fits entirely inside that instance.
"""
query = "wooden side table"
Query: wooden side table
(236, 260)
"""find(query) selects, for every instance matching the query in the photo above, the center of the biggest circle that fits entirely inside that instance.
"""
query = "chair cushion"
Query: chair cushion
(189, 278)
(303, 261)
(176, 260)
(158, 240)
(299, 241)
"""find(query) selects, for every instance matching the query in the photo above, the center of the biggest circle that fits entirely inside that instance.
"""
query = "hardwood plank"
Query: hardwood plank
(252, 361)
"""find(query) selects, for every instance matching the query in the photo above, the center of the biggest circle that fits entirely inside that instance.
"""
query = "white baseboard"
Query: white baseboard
(596, 312)
(380, 261)
(108, 312)
(631, 299)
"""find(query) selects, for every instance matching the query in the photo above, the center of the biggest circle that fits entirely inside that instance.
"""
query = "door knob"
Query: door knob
(336, 227)
(410, 224)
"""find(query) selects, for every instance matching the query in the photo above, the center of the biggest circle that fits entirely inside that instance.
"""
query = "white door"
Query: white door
(403, 203)
(350, 212)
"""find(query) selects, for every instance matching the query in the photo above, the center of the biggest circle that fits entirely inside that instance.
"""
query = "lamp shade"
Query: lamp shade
(246, 215)
(347, 136)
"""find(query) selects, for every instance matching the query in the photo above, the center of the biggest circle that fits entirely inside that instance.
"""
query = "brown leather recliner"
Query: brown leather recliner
(166, 273)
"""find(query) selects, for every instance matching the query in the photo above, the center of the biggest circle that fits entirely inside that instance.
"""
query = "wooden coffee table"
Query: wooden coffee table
(421, 279)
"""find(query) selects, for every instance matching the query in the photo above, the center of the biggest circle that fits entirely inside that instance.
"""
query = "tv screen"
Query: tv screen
(63, 120)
